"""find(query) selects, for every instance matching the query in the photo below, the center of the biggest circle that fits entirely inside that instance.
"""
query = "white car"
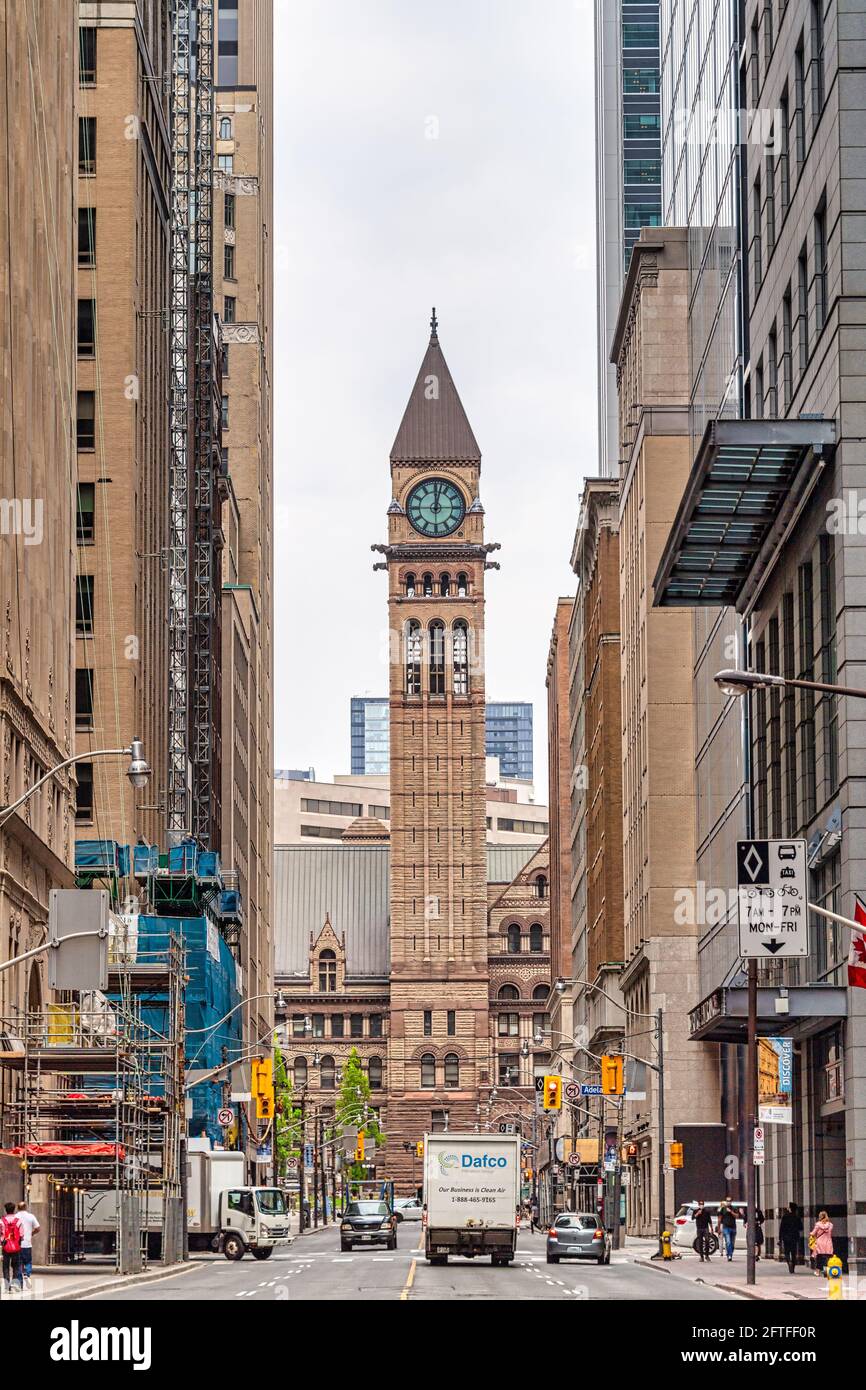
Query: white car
(684, 1230)
(407, 1208)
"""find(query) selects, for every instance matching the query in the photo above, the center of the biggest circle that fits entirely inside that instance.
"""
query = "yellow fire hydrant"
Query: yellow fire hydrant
(666, 1245)
(833, 1270)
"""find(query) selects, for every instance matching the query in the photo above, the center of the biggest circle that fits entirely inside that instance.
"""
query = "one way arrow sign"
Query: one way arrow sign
(772, 898)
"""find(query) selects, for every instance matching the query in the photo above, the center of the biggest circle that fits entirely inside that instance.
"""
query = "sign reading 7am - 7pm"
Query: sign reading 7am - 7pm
(772, 896)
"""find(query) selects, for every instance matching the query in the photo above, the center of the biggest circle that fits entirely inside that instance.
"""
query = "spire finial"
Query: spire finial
(434, 323)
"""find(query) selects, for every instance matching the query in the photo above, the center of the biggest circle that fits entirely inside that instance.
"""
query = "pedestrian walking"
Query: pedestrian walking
(29, 1226)
(759, 1232)
(703, 1227)
(790, 1234)
(10, 1243)
(533, 1217)
(822, 1235)
(728, 1227)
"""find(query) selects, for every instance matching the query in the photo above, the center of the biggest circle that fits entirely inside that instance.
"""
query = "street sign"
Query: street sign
(574, 1160)
(226, 1117)
(572, 1090)
(508, 1127)
(758, 1145)
(586, 1090)
(772, 898)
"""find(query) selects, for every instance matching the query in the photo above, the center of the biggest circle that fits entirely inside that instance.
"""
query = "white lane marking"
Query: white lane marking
(342, 1260)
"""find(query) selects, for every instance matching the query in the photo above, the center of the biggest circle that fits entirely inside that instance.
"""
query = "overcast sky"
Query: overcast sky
(426, 154)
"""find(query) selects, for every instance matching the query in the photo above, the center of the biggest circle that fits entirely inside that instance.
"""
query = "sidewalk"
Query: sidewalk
(82, 1280)
(772, 1280)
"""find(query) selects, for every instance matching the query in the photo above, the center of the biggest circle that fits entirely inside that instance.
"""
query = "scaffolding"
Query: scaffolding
(96, 1114)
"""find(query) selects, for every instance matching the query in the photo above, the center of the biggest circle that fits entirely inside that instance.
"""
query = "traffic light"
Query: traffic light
(262, 1077)
(611, 1076)
(552, 1093)
(675, 1158)
(631, 1154)
(419, 1149)
(359, 1147)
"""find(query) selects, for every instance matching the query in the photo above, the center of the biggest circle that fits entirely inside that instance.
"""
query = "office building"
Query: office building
(508, 737)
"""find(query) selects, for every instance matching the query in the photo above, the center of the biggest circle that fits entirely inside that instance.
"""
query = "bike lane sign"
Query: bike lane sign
(772, 897)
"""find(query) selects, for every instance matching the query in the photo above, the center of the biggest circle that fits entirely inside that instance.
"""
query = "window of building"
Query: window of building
(787, 351)
(461, 658)
(789, 716)
(462, 585)
(642, 171)
(522, 827)
(640, 81)
(300, 1071)
(514, 939)
(784, 167)
(828, 705)
(821, 266)
(318, 1021)
(541, 886)
(331, 808)
(817, 60)
(410, 586)
(437, 658)
(452, 1071)
(439, 1121)
(383, 812)
(800, 103)
(451, 1023)
(86, 328)
(641, 125)
(376, 1026)
(225, 127)
(328, 1074)
(84, 517)
(83, 698)
(224, 360)
(86, 145)
(86, 237)
(356, 1025)
(772, 397)
(540, 1024)
(414, 647)
(803, 308)
(540, 992)
(757, 263)
(508, 992)
(226, 162)
(509, 1069)
(509, 1025)
(84, 605)
(84, 792)
(444, 585)
(86, 57)
(299, 1026)
(338, 1026)
(644, 35)
(229, 210)
(229, 308)
(428, 1023)
(536, 938)
(327, 971)
(374, 1073)
(322, 832)
(227, 43)
(428, 1071)
(228, 261)
(806, 698)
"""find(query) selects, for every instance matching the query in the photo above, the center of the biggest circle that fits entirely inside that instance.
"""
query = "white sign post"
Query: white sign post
(772, 898)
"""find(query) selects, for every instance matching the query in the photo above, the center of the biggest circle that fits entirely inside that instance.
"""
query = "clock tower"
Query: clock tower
(439, 1049)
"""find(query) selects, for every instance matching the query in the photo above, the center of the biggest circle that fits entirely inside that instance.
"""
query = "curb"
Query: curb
(730, 1288)
(123, 1282)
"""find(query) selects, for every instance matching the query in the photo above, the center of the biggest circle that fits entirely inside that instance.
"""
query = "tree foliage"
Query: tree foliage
(353, 1107)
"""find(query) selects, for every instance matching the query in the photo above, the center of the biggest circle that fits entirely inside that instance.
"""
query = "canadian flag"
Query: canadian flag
(857, 953)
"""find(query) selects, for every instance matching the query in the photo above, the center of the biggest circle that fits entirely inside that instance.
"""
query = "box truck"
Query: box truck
(471, 1196)
(224, 1213)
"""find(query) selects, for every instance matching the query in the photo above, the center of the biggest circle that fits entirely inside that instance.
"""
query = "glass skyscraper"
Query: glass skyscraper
(508, 737)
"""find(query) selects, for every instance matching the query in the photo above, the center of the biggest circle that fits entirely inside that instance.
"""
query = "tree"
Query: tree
(287, 1117)
(353, 1107)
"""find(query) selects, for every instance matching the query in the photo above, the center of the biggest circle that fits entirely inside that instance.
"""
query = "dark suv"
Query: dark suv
(368, 1223)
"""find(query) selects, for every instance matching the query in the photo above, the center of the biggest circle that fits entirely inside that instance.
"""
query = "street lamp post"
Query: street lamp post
(138, 771)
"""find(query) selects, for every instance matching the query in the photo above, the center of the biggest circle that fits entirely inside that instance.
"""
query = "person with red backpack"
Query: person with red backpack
(10, 1245)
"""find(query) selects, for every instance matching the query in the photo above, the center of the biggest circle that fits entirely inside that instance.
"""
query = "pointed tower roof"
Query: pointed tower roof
(434, 428)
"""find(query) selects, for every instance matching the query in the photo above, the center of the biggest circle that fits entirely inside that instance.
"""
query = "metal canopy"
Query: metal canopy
(723, 1015)
(747, 484)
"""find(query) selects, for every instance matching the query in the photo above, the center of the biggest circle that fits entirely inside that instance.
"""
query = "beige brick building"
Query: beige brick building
(658, 719)
(122, 365)
(37, 476)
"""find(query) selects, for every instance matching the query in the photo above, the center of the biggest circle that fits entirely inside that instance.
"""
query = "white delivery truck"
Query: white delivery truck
(471, 1196)
(224, 1213)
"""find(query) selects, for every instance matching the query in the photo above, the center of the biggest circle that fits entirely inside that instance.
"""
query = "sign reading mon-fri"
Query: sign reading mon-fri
(772, 898)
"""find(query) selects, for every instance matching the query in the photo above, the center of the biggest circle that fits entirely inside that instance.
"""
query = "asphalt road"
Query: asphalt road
(314, 1269)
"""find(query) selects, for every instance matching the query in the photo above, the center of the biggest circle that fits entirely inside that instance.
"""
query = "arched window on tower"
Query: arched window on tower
(414, 649)
(410, 586)
(428, 1071)
(541, 886)
(328, 1074)
(374, 1073)
(452, 1071)
(327, 972)
(300, 1072)
(437, 658)
(536, 938)
(514, 939)
(427, 585)
(225, 128)
(445, 585)
(460, 648)
(462, 585)
(540, 993)
(509, 992)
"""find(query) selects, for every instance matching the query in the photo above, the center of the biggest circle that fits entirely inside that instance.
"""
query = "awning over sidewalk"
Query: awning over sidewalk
(722, 1016)
(747, 484)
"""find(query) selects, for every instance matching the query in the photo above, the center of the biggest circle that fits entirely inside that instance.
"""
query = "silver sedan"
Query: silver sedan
(577, 1236)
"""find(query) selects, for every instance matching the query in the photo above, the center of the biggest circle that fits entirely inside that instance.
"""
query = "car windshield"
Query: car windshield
(367, 1209)
(580, 1220)
(271, 1201)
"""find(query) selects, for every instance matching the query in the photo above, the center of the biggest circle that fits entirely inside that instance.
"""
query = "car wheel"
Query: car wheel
(264, 1254)
(438, 1259)
(553, 1259)
(233, 1248)
(392, 1243)
(345, 1245)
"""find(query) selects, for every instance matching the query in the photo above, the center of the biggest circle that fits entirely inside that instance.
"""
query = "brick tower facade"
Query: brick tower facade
(439, 1055)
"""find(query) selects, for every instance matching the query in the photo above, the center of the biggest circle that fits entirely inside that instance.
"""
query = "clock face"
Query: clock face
(436, 507)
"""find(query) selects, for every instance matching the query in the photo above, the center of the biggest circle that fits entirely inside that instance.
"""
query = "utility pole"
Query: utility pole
(617, 1174)
(324, 1174)
(315, 1169)
(751, 1117)
(661, 1114)
(302, 1196)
